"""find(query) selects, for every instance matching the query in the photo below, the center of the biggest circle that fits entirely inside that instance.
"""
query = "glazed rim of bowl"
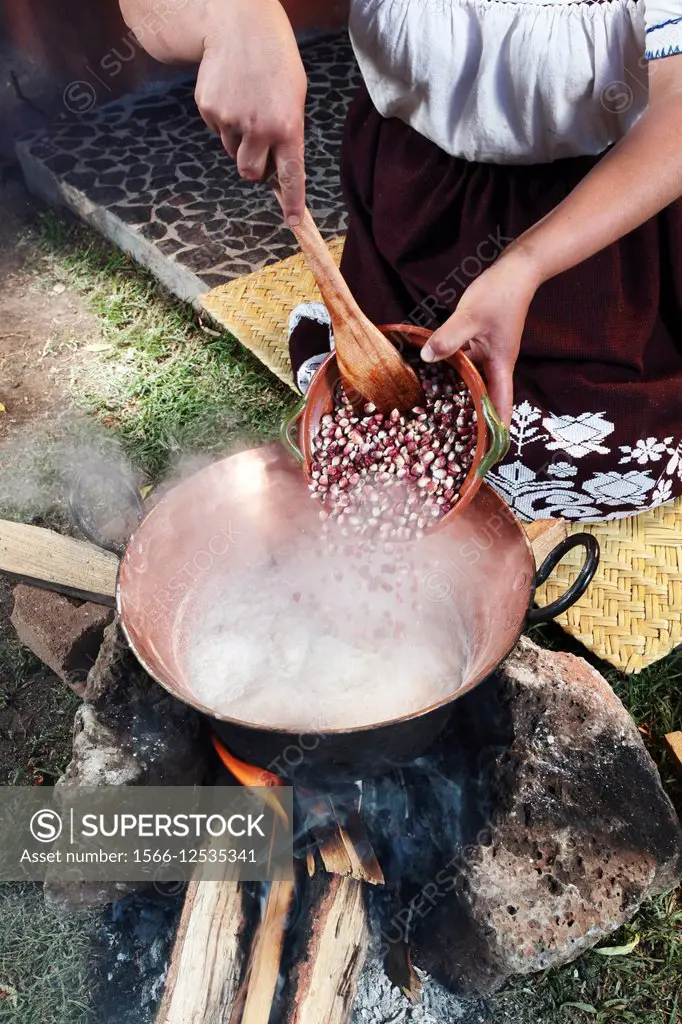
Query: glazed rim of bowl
(465, 369)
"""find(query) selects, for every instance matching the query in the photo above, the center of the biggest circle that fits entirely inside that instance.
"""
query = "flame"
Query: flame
(254, 777)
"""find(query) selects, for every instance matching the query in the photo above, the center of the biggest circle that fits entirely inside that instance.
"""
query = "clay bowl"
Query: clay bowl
(493, 437)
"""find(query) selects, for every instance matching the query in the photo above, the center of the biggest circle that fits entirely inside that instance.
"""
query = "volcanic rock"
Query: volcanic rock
(580, 832)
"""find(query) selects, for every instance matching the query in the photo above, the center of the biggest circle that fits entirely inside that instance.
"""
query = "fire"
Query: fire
(253, 777)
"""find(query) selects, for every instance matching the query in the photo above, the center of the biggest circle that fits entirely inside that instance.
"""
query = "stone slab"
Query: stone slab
(147, 173)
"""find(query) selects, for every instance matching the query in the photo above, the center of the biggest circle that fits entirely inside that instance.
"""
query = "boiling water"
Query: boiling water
(307, 643)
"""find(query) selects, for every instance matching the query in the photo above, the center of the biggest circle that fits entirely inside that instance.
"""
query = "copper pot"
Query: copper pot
(252, 503)
(493, 438)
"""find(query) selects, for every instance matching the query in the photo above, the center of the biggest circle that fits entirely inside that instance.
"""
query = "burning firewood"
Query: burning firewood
(226, 966)
(364, 864)
(341, 838)
(208, 958)
(266, 955)
(327, 976)
(346, 849)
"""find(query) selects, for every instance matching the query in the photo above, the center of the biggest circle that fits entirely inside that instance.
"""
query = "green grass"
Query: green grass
(46, 961)
(169, 384)
(642, 986)
(654, 699)
(16, 664)
(37, 713)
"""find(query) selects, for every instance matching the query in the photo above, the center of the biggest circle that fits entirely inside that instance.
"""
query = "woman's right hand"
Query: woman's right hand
(251, 90)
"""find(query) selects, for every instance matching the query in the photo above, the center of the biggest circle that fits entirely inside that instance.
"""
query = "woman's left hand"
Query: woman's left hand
(488, 323)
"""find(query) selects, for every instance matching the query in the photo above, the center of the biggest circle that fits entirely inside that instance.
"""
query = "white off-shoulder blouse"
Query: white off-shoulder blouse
(514, 81)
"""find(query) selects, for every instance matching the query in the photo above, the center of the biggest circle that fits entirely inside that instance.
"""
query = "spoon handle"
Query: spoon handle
(333, 288)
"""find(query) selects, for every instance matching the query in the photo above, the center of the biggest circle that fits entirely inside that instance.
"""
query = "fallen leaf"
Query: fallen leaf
(9, 992)
(585, 1007)
(144, 491)
(619, 950)
(2, 408)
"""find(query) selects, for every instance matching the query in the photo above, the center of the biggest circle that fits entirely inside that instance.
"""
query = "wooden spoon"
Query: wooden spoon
(371, 368)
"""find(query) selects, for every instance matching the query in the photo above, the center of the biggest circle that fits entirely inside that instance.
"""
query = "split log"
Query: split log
(332, 851)
(266, 955)
(345, 849)
(364, 865)
(44, 558)
(327, 977)
(208, 958)
(212, 979)
(544, 535)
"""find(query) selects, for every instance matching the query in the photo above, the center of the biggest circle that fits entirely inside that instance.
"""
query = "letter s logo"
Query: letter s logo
(46, 826)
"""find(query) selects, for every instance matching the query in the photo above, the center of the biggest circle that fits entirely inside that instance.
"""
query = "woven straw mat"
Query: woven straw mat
(256, 308)
(631, 614)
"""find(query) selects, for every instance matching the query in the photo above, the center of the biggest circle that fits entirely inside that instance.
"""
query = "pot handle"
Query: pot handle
(289, 423)
(579, 585)
(79, 519)
(499, 438)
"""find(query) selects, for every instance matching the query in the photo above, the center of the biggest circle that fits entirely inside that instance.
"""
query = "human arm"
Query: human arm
(251, 85)
(640, 176)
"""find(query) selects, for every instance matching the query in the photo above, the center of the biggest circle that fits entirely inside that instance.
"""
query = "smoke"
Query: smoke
(38, 471)
(320, 633)
(44, 473)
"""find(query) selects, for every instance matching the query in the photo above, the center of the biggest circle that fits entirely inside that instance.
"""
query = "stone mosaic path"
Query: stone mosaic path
(148, 174)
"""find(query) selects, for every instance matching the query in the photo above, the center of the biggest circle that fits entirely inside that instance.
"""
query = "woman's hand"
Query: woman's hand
(251, 90)
(251, 86)
(488, 323)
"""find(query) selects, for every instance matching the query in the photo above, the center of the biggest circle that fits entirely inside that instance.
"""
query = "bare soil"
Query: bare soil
(38, 323)
(37, 363)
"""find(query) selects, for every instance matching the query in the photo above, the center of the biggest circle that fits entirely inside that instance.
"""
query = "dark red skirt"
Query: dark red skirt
(597, 427)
